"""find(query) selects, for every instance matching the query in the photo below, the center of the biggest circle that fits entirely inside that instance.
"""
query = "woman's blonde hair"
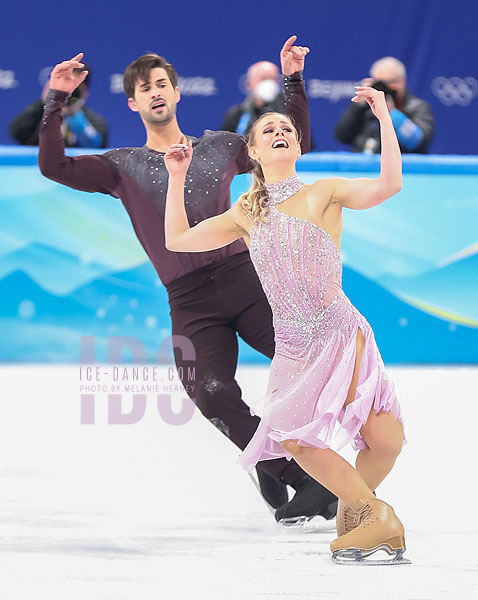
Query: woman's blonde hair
(253, 203)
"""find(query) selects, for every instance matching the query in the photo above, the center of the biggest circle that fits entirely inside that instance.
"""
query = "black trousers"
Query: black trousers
(210, 306)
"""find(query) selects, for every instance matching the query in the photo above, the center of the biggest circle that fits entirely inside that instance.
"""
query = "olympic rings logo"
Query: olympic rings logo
(455, 90)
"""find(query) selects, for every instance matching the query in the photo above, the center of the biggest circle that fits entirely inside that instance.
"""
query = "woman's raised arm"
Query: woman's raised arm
(367, 192)
(210, 234)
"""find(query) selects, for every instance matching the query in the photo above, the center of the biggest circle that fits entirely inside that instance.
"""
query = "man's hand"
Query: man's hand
(292, 57)
(374, 98)
(67, 75)
(178, 157)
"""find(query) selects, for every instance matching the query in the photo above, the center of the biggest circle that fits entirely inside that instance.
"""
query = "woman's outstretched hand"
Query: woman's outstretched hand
(178, 157)
(375, 99)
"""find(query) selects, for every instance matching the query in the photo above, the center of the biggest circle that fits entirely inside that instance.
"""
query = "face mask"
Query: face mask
(267, 90)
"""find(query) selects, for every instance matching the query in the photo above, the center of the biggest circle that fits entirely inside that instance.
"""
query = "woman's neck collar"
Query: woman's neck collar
(278, 191)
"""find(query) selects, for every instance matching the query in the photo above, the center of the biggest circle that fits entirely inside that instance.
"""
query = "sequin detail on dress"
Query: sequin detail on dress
(280, 191)
(315, 326)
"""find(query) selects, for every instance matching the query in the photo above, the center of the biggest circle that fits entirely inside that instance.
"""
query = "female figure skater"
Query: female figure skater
(327, 383)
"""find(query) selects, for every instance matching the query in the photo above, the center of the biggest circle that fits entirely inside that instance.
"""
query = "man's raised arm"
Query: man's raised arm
(292, 60)
(89, 173)
(296, 106)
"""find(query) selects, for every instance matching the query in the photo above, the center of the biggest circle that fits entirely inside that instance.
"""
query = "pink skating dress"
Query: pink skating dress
(315, 326)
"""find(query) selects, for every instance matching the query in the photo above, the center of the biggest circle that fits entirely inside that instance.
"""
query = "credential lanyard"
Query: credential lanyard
(243, 122)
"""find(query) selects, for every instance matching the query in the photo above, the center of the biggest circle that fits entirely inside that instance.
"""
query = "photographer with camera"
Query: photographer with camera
(411, 117)
(81, 128)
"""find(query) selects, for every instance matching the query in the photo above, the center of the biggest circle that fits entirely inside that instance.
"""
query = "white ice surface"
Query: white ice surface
(151, 511)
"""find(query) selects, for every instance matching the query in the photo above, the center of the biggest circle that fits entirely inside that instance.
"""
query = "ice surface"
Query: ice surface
(152, 510)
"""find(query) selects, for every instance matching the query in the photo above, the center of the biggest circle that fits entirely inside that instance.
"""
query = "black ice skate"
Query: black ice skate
(310, 500)
(273, 492)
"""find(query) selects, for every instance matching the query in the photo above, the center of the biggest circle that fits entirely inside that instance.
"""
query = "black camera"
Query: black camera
(76, 93)
(381, 86)
(75, 96)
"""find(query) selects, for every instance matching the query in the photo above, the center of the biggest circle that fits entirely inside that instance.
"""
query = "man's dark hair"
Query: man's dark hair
(139, 70)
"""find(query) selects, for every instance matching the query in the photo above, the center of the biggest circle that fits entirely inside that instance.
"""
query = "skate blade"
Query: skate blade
(303, 524)
(293, 522)
(361, 557)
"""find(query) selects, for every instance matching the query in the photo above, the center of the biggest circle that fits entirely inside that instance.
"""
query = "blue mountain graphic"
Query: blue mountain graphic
(134, 291)
(38, 326)
(406, 334)
(54, 270)
(18, 287)
(453, 288)
(130, 303)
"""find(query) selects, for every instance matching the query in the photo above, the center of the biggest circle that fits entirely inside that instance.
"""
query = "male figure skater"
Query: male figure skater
(213, 295)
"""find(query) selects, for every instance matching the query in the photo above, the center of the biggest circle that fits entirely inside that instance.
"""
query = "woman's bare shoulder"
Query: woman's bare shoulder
(323, 190)
(325, 184)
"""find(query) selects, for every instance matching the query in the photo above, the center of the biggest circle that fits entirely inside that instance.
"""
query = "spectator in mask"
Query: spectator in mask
(265, 95)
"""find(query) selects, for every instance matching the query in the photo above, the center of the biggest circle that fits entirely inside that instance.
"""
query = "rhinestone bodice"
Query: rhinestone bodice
(300, 269)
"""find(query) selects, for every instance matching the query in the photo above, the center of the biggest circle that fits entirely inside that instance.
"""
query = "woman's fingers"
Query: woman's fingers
(362, 93)
(179, 150)
(368, 92)
(367, 87)
(176, 153)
